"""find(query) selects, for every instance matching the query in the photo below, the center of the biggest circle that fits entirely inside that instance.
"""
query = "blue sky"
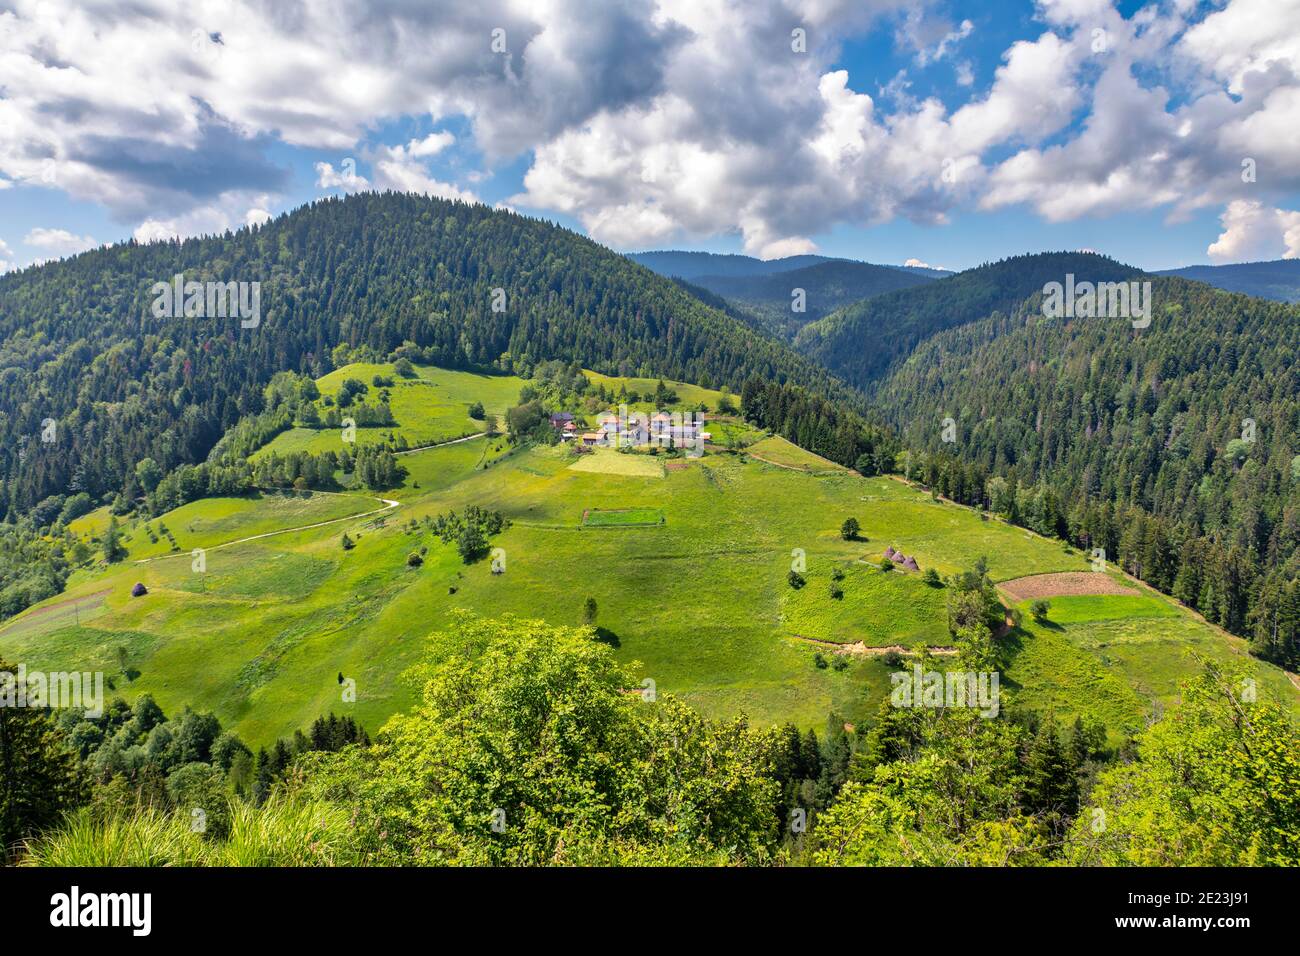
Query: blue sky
(948, 133)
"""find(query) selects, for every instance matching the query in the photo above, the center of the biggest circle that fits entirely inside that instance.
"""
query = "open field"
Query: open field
(777, 451)
(1118, 658)
(878, 609)
(1069, 582)
(608, 461)
(698, 602)
(433, 407)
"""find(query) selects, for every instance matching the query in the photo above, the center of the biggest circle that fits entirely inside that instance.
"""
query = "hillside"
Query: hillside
(1173, 448)
(367, 277)
(699, 595)
(1278, 280)
(861, 342)
(827, 286)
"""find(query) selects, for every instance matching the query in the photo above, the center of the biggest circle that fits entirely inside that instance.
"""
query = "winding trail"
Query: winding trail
(441, 444)
(389, 504)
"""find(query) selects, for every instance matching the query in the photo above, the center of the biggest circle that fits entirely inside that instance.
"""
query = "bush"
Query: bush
(849, 529)
(413, 560)
(1039, 610)
(931, 577)
(839, 662)
(796, 580)
(477, 412)
(820, 660)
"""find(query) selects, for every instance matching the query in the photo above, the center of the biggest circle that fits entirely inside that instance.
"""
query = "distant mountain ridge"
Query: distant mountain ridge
(784, 302)
(691, 265)
(1278, 279)
(863, 341)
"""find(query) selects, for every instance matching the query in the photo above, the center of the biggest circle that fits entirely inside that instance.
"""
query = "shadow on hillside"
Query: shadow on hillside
(606, 636)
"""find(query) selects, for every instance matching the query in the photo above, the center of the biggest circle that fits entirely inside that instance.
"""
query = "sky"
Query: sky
(932, 132)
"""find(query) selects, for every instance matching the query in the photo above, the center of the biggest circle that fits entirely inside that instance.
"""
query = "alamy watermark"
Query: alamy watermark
(1099, 300)
(208, 300)
(918, 688)
(81, 689)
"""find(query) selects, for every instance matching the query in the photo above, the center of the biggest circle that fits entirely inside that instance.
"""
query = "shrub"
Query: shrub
(849, 529)
(1039, 610)
(413, 560)
(796, 580)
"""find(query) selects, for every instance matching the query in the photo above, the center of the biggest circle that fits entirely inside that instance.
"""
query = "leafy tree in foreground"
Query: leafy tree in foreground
(531, 750)
(1215, 783)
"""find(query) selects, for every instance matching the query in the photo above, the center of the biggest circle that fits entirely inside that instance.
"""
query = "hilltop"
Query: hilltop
(371, 276)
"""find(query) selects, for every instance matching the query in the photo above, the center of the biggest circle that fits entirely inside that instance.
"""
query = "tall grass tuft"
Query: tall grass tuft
(146, 837)
(284, 832)
(288, 832)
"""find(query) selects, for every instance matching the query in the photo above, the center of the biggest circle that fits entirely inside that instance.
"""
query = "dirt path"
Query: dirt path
(859, 649)
(802, 471)
(389, 504)
(441, 444)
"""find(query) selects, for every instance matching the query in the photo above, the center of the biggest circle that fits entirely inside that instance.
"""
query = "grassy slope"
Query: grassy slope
(688, 396)
(699, 603)
(432, 407)
(1118, 658)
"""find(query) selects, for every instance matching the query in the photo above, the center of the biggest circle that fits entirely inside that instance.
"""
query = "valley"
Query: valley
(696, 601)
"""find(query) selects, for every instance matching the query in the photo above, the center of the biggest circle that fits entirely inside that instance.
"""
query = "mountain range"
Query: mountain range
(1183, 429)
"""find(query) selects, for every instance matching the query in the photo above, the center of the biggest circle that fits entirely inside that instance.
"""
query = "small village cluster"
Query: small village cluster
(634, 430)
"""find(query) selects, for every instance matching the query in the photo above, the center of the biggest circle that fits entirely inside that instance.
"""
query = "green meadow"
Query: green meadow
(692, 594)
(432, 407)
(1118, 658)
(878, 608)
(688, 396)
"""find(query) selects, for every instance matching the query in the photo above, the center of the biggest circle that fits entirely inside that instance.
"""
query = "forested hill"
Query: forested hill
(1173, 447)
(80, 345)
(862, 341)
(1278, 280)
(826, 286)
